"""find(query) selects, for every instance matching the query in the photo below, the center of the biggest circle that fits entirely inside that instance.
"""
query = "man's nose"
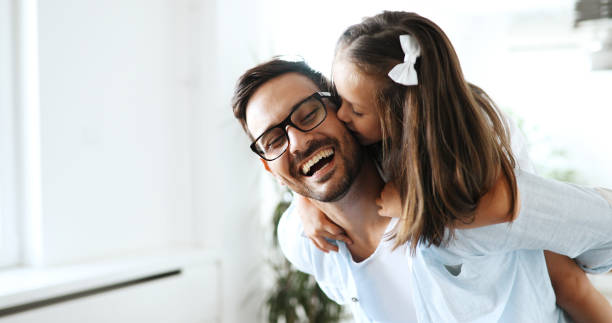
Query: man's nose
(298, 140)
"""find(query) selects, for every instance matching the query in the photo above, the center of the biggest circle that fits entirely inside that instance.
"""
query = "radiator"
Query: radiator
(188, 292)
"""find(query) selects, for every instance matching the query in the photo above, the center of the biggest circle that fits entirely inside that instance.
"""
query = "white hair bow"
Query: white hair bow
(404, 73)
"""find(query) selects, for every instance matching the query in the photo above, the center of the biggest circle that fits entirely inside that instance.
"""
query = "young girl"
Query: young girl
(446, 150)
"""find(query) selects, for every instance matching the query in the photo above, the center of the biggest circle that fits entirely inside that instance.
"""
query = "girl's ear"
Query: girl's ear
(265, 163)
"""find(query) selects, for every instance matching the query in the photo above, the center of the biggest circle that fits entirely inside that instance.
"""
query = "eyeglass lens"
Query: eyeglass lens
(305, 118)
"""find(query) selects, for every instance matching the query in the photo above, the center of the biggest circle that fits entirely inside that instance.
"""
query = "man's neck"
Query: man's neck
(357, 212)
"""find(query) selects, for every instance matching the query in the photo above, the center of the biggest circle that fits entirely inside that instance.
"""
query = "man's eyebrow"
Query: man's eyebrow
(293, 107)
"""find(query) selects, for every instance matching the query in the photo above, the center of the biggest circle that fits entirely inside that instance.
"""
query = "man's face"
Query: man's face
(319, 164)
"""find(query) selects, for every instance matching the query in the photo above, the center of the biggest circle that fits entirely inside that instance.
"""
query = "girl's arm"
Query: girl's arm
(317, 226)
(574, 291)
(493, 207)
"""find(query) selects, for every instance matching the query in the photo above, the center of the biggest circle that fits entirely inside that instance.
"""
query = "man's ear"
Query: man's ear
(265, 163)
(267, 167)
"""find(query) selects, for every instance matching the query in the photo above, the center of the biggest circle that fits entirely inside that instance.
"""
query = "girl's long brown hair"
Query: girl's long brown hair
(444, 141)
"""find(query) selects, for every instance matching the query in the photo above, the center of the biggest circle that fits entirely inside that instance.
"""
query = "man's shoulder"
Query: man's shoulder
(298, 248)
(300, 251)
(327, 268)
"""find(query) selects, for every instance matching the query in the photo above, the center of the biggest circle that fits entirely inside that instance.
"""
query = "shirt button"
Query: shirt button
(354, 299)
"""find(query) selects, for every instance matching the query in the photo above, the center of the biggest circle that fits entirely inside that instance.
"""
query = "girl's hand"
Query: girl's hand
(317, 226)
(389, 202)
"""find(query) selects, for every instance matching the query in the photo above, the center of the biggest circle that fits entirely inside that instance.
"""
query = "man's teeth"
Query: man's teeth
(315, 159)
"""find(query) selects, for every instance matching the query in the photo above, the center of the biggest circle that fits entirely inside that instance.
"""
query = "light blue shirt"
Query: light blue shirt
(568, 219)
(511, 287)
(503, 276)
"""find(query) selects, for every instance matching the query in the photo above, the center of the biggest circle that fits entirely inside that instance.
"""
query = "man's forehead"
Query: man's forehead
(272, 102)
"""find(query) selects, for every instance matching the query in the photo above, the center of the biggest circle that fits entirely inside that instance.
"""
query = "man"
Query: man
(285, 110)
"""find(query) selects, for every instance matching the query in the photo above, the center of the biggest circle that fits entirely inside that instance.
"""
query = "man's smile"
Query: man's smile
(317, 161)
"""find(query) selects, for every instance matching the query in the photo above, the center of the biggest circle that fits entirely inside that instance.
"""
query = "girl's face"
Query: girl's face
(358, 92)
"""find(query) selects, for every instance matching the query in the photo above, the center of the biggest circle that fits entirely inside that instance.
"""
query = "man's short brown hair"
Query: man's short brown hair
(255, 77)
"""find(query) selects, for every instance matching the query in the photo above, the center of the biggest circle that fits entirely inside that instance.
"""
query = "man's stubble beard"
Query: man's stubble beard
(352, 161)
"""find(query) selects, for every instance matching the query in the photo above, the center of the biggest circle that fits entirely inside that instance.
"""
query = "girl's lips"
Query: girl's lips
(354, 132)
(350, 127)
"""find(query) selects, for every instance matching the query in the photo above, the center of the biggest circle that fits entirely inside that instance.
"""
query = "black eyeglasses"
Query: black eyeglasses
(305, 116)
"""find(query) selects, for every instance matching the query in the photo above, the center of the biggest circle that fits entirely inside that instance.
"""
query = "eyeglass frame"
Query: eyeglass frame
(320, 95)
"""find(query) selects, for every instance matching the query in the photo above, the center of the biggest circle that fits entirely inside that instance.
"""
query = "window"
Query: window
(9, 250)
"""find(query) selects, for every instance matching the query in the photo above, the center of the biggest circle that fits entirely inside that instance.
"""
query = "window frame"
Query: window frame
(10, 250)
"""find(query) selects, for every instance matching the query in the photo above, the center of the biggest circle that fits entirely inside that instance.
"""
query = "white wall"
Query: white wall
(139, 148)
(115, 128)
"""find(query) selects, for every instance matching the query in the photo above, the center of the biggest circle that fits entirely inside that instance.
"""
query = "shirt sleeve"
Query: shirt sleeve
(292, 241)
(327, 269)
(568, 219)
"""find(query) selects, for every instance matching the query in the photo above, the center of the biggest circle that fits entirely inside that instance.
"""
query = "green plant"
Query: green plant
(295, 296)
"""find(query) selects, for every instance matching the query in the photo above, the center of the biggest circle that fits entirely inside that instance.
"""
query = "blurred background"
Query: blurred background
(128, 192)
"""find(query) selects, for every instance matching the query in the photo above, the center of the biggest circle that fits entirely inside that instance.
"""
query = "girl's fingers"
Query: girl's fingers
(382, 212)
(379, 202)
(314, 241)
(344, 237)
(332, 228)
(339, 237)
(325, 246)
